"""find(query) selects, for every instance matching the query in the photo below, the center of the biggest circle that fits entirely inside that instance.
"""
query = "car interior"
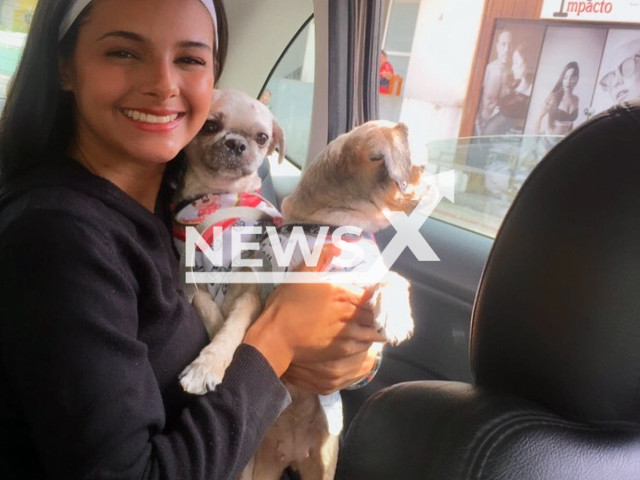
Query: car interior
(553, 338)
(524, 361)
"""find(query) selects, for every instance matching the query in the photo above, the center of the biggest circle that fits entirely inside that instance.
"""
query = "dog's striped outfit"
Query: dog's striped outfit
(227, 211)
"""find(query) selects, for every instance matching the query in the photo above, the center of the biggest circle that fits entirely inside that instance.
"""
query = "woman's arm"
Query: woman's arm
(82, 380)
(545, 111)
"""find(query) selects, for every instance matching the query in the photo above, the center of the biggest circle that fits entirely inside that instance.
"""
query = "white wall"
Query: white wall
(443, 50)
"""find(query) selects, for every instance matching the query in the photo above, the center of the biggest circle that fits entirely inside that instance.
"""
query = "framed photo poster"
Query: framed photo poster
(546, 78)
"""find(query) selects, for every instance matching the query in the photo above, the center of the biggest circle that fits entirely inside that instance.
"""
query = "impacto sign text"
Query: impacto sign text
(592, 10)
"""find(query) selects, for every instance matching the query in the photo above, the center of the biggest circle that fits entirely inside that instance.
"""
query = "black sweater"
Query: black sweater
(93, 335)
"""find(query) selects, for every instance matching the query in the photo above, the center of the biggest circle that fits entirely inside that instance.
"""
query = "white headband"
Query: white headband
(79, 5)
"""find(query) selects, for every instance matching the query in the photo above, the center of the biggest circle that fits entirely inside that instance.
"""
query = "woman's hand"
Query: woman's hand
(329, 376)
(307, 323)
(310, 323)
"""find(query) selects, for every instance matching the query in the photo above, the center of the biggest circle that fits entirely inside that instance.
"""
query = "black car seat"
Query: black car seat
(555, 337)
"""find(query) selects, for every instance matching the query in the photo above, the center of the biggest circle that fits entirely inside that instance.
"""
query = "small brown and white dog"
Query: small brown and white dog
(357, 177)
(225, 156)
(222, 163)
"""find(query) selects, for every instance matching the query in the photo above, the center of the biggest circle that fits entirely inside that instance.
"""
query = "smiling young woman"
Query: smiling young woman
(94, 331)
(142, 91)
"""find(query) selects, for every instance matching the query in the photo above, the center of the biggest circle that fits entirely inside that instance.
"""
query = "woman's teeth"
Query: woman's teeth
(148, 118)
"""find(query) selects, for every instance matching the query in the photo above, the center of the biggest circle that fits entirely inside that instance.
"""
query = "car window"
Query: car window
(288, 92)
(15, 19)
(489, 87)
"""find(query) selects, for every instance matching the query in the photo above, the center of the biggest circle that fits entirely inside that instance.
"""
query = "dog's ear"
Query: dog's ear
(277, 141)
(398, 162)
(388, 149)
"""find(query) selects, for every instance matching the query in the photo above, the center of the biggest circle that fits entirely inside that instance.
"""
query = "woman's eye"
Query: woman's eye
(192, 61)
(120, 54)
(262, 138)
(211, 127)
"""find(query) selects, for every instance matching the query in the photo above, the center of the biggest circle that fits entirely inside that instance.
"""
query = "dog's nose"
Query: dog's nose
(235, 145)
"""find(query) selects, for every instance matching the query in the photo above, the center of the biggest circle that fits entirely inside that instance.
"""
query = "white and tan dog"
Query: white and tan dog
(225, 156)
(219, 187)
(357, 177)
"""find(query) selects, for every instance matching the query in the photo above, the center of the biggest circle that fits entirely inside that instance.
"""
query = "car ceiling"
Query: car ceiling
(259, 32)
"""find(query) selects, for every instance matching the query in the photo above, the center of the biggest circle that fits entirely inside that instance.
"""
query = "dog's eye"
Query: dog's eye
(262, 138)
(210, 127)
(376, 158)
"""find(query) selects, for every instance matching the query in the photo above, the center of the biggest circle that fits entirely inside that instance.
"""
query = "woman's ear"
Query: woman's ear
(64, 75)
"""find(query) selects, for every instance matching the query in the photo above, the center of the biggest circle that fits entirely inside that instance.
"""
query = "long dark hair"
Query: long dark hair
(38, 118)
(557, 92)
(528, 55)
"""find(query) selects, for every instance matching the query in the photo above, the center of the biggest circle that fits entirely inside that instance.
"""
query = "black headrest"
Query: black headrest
(557, 314)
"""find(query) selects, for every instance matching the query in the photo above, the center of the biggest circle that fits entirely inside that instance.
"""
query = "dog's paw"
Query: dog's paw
(203, 375)
(391, 308)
